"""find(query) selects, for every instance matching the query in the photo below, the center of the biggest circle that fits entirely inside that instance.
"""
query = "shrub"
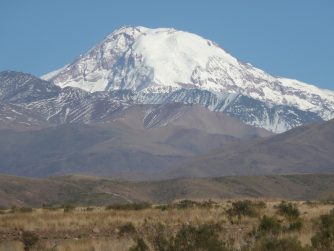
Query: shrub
(68, 208)
(311, 203)
(163, 207)
(29, 239)
(288, 210)
(269, 225)
(185, 204)
(207, 204)
(3, 210)
(189, 238)
(296, 225)
(127, 229)
(139, 246)
(203, 237)
(24, 210)
(324, 237)
(275, 244)
(16, 209)
(244, 208)
(51, 207)
(130, 206)
(160, 239)
(259, 204)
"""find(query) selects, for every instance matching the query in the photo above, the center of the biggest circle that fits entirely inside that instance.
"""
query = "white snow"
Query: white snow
(54, 73)
(161, 60)
(175, 54)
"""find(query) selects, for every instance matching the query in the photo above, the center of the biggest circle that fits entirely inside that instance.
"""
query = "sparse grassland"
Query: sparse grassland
(184, 225)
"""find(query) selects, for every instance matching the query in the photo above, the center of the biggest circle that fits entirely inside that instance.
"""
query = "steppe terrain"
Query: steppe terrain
(214, 225)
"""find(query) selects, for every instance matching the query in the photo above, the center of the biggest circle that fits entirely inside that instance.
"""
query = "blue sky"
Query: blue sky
(292, 38)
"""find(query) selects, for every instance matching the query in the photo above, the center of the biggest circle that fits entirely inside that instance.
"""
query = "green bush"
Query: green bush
(244, 208)
(288, 210)
(185, 204)
(203, 237)
(162, 243)
(16, 209)
(160, 238)
(311, 203)
(68, 208)
(29, 239)
(24, 209)
(139, 246)
(323, 240)
(275, 244)
(296, 225)
(127, 229)
(208, 204)
(129, 206)
(260, 204)
(163, 207)
(269, 225)
(189, 238)
(51, 207)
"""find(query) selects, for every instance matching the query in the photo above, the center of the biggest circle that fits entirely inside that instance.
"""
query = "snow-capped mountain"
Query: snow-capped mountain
(32, 101)
(23, 88)
(164, 65)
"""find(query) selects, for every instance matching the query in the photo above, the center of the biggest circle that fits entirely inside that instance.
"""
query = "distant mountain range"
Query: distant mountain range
(159, 103)
(47, 130)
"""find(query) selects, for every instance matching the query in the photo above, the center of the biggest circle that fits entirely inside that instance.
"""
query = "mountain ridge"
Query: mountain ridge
(23, 95)
(58, 131)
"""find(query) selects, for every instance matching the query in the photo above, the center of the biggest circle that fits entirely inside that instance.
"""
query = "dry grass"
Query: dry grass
(11, 246)
(99, 229)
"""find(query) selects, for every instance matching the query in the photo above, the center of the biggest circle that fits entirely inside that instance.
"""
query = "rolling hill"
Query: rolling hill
(88, 190)
(307, 149)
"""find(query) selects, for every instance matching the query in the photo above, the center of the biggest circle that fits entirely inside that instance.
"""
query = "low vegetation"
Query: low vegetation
(324, 237)
(29, 239)
(279, 244)
(186, 225)
(188, 204)
(129, 206)
(288, 210)
(269, 225)
(246, 208)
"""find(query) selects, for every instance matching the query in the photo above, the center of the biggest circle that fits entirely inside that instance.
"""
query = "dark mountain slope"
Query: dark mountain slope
(308, 149)
(46, 130)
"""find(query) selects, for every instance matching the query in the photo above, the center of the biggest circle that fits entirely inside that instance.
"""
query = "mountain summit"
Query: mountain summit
(164, 65)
